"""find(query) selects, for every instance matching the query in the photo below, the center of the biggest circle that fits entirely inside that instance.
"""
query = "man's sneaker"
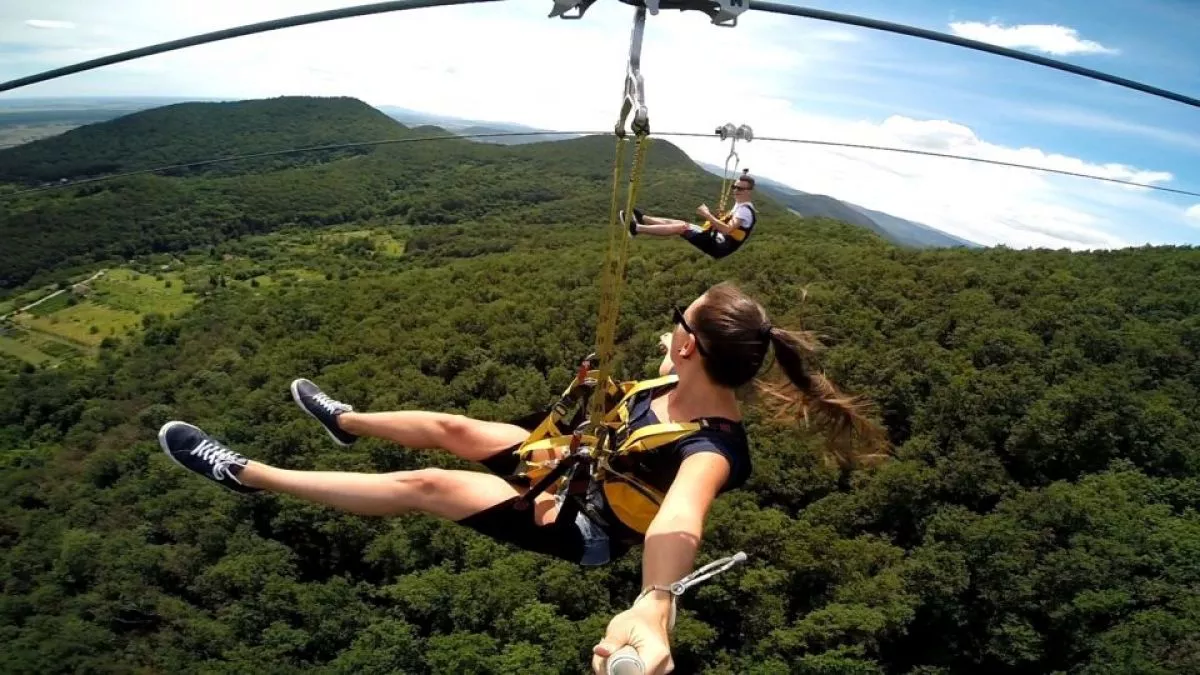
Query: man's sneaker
(325, 410)
(200, 453)
(631, 224)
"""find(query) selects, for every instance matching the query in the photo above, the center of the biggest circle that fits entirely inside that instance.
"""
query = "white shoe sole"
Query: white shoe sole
(162, 440)
(296, 398)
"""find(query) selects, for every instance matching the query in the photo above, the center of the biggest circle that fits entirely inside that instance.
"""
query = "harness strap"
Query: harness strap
(654, 436)
(619, 414)
(634, 502)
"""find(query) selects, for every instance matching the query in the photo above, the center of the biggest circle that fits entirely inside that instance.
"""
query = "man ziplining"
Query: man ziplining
(718, 237)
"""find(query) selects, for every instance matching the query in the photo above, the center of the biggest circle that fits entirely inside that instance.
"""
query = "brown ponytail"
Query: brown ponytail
(808, 394)
(738, 336)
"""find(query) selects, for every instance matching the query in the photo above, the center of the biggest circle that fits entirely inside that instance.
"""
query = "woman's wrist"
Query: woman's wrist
(656, 603)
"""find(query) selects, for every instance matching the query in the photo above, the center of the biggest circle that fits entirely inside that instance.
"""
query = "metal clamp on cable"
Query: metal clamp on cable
(635, 85)
(733, 134)
(561, 7)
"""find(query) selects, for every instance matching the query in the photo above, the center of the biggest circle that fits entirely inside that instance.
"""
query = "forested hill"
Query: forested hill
(189, 132)
(1039, 514)
(439, 182)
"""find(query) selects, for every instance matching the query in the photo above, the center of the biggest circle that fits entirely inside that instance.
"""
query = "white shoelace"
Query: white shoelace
(329, 405)
(219, 457)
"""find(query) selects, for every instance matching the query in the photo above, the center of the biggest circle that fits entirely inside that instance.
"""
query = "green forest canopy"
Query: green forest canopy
(1040, 514)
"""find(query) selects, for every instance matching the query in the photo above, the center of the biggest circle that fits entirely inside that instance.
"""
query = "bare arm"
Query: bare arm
(718, 224)
(726, 228)
(674, 535)
(670, 554)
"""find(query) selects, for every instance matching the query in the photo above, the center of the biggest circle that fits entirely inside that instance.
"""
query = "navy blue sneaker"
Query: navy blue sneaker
(325, 410)
(631, 224)
(200, 453)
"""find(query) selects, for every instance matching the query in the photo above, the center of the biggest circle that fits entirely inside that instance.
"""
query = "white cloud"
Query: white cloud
(983, 203)
(47, 24)
(1050, 39)
(1081, 118)
(1194, 214)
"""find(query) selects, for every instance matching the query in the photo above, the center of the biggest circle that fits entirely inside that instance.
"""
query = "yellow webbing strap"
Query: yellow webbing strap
(635, 503)
(548, 428)
(726, 182)
(619, 414)
(653, 436)
(612, 279)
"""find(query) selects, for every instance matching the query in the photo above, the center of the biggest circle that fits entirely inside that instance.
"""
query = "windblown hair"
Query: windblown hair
(737, 334)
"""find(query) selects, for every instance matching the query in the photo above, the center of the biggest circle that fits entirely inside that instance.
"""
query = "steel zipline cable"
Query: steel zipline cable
(967, 43)
(228, 33)
(518, 134)
(754, 5)
(770, 7)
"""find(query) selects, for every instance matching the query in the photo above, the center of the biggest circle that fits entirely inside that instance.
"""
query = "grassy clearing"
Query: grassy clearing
(130, 291)
(55, 346)
(86, 323)
(291, 275)
(24, 351)
(39, 348)
(72, 324)
(57, 303)
(32, 296)
(383, 242)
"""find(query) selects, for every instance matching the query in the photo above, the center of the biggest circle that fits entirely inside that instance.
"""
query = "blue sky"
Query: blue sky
(784, 76)
(1014, 102)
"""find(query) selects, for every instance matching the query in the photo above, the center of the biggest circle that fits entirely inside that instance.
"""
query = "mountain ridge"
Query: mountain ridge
(437, 182)
(895, 229)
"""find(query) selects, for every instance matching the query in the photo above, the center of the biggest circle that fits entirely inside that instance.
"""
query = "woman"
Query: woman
(719, 343)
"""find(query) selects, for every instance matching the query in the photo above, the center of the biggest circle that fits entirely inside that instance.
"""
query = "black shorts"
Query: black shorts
(572, 536)
(706, 240)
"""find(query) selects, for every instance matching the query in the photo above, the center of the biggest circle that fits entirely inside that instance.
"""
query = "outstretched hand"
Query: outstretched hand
(643, 630)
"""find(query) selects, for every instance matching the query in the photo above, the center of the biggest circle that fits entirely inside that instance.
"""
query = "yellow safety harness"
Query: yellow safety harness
(573, 461)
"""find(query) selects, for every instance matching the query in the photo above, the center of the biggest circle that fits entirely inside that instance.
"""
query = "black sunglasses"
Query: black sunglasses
(739, 188)
(677, 315)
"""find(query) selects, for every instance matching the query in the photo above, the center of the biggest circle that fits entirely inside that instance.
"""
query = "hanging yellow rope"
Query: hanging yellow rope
(613, 273)
(733, 134)
(612, 280)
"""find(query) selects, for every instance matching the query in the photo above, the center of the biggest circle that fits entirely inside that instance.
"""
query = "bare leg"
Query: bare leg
(448, 494)
(672, 229)
(468, 438)
(662, 227)
(655, 220)
(453, 495)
